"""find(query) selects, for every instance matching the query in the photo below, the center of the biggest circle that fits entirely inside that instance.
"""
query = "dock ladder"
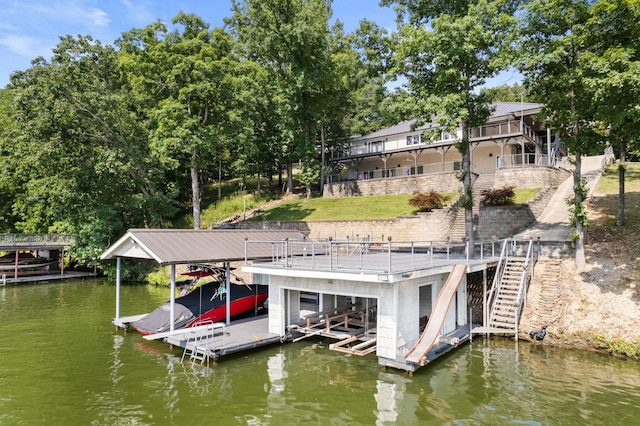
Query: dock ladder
(196, 347)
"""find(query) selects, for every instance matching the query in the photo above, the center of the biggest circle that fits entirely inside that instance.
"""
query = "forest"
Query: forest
(101, 138)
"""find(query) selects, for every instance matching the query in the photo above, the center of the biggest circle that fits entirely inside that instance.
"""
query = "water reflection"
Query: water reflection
(67, 365)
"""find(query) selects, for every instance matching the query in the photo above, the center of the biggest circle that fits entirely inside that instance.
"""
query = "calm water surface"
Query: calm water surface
(62, 362)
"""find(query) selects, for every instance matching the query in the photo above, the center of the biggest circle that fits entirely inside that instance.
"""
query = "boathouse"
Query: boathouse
(33, 257)
(408, 302)
(172, 247)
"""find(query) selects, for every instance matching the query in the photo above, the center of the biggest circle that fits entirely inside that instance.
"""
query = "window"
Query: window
(375, 146)
(415, 139)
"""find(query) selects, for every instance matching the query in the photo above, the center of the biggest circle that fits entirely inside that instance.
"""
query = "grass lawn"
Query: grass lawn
(351, 208)
(609, 182)
(524, 195)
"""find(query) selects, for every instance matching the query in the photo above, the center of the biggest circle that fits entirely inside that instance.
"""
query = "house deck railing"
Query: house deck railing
(423, 169)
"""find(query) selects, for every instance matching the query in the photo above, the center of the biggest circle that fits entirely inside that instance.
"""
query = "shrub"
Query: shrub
(429, 201)
(498, 196)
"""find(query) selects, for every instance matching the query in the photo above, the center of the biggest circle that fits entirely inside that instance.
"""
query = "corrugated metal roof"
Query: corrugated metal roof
(182, 246)
(500, 110)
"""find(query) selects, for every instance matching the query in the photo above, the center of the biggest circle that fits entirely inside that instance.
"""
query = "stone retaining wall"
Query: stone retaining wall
(532, 176)
(433, 226)
(441, 182)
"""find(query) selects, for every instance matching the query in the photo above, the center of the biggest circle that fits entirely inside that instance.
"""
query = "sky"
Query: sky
(31, 28)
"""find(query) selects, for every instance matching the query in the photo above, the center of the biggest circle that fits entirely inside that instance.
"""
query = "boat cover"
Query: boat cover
(190, 307)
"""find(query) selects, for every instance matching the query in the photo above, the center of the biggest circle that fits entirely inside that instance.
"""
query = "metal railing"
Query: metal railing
(512, 248)
(385, 257)
(28, 240)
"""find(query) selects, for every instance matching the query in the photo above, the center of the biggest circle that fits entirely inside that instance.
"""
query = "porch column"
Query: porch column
(172, 311)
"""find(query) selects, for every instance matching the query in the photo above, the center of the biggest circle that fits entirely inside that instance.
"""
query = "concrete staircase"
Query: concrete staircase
(508, 293)
(458, 230)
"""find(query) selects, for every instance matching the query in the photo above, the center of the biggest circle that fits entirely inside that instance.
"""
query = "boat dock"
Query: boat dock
(211, 341)
(43, 278)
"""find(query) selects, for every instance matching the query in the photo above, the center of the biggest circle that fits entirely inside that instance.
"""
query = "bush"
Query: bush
(498, 196)
(429, 201)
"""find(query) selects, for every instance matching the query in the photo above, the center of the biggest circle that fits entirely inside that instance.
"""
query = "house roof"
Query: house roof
(182, 246)
(500, 110)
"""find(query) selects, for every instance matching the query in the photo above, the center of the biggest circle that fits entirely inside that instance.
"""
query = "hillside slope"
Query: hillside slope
(598, 308)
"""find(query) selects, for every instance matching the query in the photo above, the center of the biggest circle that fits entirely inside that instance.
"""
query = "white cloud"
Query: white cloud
(27, 46)
(71, 11)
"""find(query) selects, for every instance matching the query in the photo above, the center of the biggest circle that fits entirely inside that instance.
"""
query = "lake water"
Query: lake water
(63, 363)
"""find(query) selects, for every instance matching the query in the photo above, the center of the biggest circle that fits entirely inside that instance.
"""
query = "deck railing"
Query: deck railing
(30, 240)
(384, 257)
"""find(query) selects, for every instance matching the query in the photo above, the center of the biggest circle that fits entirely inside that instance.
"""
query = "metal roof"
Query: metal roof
(182, 246)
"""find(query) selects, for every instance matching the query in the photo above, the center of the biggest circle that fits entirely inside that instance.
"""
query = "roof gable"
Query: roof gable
(181, 246)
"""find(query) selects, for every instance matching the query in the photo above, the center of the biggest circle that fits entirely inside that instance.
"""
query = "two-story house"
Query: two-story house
(513, 136)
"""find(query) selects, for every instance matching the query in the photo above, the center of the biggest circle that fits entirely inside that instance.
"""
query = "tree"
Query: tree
(613, 74)
(184, 81)
(78, 161)
(447, 50)
(291, 38)
(553, 46)
(506, 93)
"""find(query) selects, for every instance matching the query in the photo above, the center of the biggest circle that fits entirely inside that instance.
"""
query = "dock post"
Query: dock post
(470, 325)
(118, 266)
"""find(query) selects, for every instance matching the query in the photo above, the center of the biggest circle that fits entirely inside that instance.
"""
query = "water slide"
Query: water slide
(429, 337)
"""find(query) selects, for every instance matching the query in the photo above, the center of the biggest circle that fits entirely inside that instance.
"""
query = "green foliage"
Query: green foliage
(230, 207)
(498, 196)
(506, 93)
(432, 200)
(616, 346)
(466, 199)
(576, 204)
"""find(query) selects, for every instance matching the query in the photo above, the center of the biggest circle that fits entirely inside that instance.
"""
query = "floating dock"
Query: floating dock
(43, 278)
(218, 339)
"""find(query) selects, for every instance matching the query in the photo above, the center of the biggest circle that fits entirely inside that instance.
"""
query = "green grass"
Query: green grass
(525, 195)
(352, 208)
(609, 182)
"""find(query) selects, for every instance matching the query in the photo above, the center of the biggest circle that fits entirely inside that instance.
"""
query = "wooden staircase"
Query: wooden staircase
(508, 295)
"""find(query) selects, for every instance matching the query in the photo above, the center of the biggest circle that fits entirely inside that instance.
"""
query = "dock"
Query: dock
(216, 340)
(44, 278)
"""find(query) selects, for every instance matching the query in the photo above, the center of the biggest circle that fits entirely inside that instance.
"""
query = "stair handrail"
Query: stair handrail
(522, 295)
(496, 279)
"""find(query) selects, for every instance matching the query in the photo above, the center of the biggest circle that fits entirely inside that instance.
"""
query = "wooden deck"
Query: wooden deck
(25, 278)
(239, 336)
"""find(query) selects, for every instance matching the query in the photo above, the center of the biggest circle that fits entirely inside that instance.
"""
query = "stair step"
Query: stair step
(499, 324)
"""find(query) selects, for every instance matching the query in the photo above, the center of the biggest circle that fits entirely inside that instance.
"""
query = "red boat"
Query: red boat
(207, 303)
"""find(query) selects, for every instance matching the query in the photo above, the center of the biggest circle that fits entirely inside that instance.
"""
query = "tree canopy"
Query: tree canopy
(98, 138)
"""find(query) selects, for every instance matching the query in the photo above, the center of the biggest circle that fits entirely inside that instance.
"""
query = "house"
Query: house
(512, 137)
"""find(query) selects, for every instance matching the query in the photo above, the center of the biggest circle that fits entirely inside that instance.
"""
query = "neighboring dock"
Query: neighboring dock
(44, 278)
